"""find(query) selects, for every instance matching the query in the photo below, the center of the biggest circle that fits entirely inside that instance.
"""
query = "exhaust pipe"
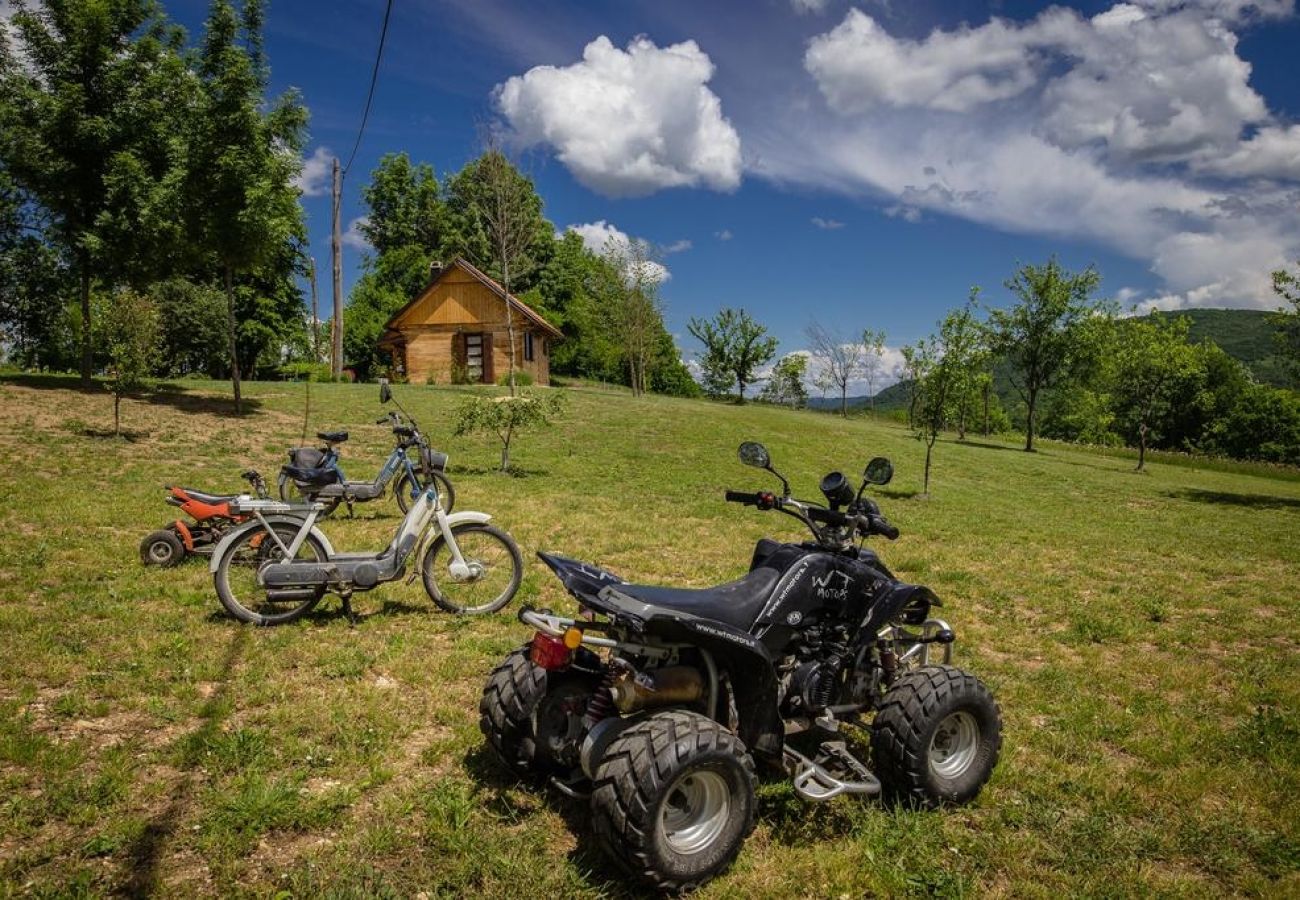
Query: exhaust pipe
(289, 595)
(660, 687)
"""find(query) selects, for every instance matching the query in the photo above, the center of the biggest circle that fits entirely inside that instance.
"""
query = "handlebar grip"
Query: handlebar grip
(742, 497)
(884, 529)
(381, 421)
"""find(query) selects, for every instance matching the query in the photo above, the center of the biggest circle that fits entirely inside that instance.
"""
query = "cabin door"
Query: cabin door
(478, 358)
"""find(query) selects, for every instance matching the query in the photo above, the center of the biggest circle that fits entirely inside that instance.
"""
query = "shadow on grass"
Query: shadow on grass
(165, 394)
(513, 472)
(1251, 501)
(129, 436)
(898, 495)
(984, 445)
(146, 851)
(499, 791)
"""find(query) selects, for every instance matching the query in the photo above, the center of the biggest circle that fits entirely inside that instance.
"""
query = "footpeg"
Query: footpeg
(835, 771)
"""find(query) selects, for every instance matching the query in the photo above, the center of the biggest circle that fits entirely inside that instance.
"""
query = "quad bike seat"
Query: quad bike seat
(332, 437)
(735, 603)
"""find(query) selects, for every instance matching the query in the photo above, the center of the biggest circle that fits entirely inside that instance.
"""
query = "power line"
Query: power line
(374, 77)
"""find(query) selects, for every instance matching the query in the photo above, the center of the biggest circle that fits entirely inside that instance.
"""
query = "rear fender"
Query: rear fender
(254, 525)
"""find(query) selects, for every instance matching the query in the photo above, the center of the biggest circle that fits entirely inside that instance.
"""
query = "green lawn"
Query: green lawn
(1137, 629)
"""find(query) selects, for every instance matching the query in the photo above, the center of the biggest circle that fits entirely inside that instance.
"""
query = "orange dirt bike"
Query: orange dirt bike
(212, 517)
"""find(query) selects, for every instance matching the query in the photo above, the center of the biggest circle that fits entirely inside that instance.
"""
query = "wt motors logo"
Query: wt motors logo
(828, 588)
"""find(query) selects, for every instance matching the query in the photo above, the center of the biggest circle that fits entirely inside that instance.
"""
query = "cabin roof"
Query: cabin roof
(515, 303)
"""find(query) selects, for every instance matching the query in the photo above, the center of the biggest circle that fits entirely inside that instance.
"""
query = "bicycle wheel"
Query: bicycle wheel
(236, 577)
(446, 493)
(496, 568)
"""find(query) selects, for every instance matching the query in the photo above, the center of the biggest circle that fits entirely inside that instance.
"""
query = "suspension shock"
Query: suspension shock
(601, 705)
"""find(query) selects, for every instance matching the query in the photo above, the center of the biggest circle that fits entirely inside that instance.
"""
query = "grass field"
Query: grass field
(1138, 629)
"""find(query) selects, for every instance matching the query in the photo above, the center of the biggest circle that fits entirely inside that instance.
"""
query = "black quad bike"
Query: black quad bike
(660, 704)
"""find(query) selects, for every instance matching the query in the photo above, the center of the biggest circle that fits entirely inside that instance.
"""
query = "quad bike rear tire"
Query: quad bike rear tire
(162, 548)
(523, 711)
(936, 736)
(673, 799)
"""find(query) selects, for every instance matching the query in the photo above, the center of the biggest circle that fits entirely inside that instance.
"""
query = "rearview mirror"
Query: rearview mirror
(754, 454)
(384, 393)
(879, 471)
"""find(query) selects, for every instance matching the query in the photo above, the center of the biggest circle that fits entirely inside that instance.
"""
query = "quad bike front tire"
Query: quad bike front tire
(162, 548)
(936, 736)
(527, 715)
(673, 799)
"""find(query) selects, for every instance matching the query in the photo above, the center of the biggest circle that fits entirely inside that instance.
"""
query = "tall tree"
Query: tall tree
(944, 364)
(734, 344)
(79, 124)
(632, 310)
(243, 205)
(841, 360)
(873, 359)
(1039, 334)
(1151, 356)
(785, 384)
(404, 206)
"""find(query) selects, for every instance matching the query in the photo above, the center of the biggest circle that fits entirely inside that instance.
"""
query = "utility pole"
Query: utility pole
(336, 350)
(315, 313)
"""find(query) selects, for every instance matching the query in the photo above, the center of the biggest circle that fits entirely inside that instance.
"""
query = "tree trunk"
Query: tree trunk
(844, 402)
(986, 408)
(510, 330)
(505, 450)
(117, 419)
(234, 349)
(961, 421)
(87, 342)
(1142, 445)
(740, 397)
(929, 448)
(1032, 401)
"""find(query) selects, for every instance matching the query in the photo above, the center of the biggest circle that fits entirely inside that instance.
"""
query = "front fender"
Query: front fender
(255, 525)
(467, 516)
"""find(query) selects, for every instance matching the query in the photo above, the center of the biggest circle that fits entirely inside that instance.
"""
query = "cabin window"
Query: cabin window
(474, 357)
(528, 346)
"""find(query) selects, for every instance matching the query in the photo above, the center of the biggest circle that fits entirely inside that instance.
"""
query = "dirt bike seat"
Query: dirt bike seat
(735, 603)
(332, 437)
(210, 499)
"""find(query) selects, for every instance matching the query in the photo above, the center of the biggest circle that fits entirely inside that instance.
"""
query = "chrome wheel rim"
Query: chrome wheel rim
(695, 812)
(954, 745)
(161, 551)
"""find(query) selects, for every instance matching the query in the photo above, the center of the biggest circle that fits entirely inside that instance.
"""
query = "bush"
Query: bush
(506, 416)
(522, 379)
(302, 371)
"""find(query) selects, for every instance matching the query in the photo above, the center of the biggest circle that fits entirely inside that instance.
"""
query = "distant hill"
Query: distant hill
(1244, 334)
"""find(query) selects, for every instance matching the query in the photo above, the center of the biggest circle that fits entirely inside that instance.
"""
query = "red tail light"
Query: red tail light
(549, 652)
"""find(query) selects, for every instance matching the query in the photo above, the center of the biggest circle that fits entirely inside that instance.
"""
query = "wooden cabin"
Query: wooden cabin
(455, 332)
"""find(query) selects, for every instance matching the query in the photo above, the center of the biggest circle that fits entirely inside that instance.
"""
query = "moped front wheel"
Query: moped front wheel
(491, 576)
(446, 493)
(236, 577)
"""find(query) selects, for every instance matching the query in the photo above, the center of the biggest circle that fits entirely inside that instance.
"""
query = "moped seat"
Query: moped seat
(735, 603)
(312, 476)
(332, 437)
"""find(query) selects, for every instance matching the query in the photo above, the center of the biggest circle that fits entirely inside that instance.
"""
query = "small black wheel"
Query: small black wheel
(673, 799)
(236, 576)
(936, 736)
(162, 548)
(446, 493)
(495, 570)
(532, 718)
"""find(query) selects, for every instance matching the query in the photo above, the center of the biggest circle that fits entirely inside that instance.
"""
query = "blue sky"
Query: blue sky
(864, 164)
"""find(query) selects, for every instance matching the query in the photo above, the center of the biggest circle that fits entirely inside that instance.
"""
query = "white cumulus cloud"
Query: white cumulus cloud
(314, 179)
(353, 237)
(628, 122)
(601, 237)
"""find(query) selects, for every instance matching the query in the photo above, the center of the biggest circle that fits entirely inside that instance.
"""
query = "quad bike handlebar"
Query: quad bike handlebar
(865, 523)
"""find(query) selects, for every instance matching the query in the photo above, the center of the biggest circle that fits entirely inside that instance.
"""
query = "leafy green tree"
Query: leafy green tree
(785, 385)
(87, 97)
(631, 310)
(192, 325)
(128, 326)
(944, 364)
(505, 417)
(404, 207)
(32, 285)
(1151, 357)
(735, 346)
(243, 206)
(669, 374)
(1039, 335)
(389, 281)
(1286, 284)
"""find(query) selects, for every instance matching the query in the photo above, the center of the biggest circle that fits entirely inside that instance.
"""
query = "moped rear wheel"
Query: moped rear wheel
(495, 570)
(236, 577)
(290, 492)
